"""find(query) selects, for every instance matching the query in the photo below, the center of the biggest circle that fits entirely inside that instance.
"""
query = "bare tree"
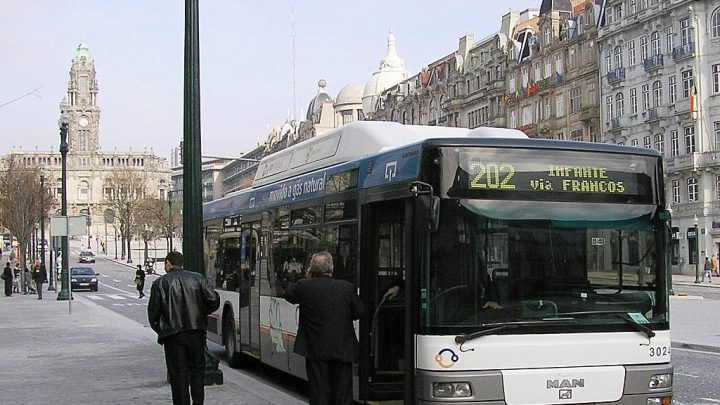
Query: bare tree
(123, 190)
(151, 220)
(23, 201)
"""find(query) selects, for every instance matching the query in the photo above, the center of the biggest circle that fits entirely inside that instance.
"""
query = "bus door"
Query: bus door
(382, 265)
(249, 332)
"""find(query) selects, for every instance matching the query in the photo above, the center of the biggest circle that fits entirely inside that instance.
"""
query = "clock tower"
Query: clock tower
(82, 103)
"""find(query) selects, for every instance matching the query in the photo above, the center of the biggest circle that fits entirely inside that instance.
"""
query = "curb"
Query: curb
(693, 346)
(683, 296)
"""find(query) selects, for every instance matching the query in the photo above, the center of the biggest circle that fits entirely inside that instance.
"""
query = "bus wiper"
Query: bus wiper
(497, 327)
(620, 314)
(492, 328)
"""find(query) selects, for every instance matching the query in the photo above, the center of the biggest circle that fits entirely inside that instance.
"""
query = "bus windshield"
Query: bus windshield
(489, 265)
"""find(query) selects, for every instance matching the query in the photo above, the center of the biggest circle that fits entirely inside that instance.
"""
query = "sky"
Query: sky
(246, 62)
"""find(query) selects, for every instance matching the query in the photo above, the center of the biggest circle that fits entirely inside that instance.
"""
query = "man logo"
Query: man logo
(574, 383)
(565, 394)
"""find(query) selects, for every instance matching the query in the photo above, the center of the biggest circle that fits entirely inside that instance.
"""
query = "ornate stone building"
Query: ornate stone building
(538, 73)
(660, 86)
(88, 166)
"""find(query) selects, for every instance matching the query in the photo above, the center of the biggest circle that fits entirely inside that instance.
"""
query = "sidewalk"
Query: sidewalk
(95, 356)
(694, 320)
(683, 279)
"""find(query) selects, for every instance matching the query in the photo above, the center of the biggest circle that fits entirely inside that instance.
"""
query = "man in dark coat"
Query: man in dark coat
(180, 302)
(7, 276)
(326, 336)
(39, 276)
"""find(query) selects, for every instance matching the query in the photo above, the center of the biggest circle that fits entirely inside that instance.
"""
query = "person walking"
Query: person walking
(28, 282)
(714, 265)
(16, 279)
(326, 335)
(39, 277)
(707, 270)
(180, 302)
(140, 280)
(7, 276)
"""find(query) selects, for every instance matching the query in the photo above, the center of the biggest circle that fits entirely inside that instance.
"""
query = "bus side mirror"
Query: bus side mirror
(428, 205)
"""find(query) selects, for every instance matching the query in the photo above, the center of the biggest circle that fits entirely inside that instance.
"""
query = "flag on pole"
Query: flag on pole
(599, 8)
(693, 97)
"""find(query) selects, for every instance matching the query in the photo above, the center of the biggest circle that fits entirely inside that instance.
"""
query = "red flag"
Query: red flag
(693, 95)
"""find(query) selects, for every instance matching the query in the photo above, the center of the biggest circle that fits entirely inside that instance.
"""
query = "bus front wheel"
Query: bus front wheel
(229, 340)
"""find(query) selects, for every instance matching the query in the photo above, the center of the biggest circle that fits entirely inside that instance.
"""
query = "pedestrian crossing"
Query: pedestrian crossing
(116, 300)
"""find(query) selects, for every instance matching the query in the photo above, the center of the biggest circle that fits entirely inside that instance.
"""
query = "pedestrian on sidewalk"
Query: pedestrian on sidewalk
(17, 272)
(28, 282)
(707, 270)
(140, 280)
(714, 265)
(180, 302)
(39, 277)
(16, 280)
(326, 335)
(7, 276)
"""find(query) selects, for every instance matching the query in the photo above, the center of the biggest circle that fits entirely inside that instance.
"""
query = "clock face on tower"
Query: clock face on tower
(83, 121)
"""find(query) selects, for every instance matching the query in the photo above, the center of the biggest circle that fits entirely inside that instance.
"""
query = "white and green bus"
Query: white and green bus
(532, 271)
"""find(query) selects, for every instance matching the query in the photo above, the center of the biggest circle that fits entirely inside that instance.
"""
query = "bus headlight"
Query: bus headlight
(660, 381)
(452, 390)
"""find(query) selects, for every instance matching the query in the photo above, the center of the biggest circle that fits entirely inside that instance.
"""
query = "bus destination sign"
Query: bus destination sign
(557, 178)
(556, 175)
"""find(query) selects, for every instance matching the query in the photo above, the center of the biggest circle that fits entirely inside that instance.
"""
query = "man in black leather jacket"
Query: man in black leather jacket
(180, 302)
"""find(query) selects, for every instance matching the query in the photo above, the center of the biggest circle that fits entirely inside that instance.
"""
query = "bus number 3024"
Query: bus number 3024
(659, 351)
(496, 176)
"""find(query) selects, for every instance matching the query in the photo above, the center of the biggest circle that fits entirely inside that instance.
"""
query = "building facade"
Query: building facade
(660, 87)
(88, 167)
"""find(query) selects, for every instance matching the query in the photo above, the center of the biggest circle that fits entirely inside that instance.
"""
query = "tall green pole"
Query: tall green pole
(192, 166)
(192, 170)
(64, 293)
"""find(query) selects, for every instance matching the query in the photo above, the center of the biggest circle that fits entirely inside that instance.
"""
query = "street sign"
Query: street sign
(109, 216)
(68, 226)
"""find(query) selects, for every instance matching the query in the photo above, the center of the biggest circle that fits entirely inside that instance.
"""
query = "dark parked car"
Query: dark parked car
(83, 278)
(87, 256)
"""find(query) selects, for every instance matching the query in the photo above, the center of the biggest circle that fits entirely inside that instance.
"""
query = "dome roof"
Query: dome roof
(392, 71)
(82, 51)
(317, 102)
(350, 94)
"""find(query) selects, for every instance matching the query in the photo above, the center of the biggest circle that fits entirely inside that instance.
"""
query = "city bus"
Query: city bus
(531, 271)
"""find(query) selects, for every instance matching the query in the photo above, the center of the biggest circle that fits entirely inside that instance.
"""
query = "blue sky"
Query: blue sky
(245, 56)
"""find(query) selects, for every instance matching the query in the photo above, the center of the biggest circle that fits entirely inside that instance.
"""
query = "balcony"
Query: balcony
(616, 75)
(588, 113)
(684, 51)
(682, 163)
(614, 124)
(653, 63)
(653, 114)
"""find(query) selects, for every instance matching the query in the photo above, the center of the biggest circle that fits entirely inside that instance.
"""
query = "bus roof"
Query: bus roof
(357, 140)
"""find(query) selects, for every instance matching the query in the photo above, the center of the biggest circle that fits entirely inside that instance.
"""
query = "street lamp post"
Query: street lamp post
(51, 286)
(88, 222)
(170, 222)
(33, 243)
(64, 293)
(697, 250)
(127, 234)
